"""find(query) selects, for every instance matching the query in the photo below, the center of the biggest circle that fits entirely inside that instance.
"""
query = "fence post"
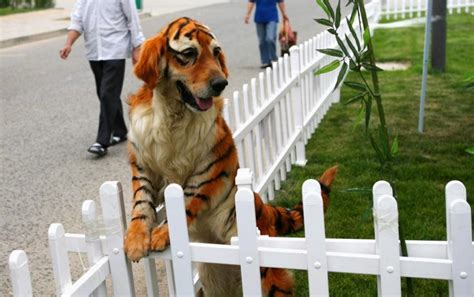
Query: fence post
(387, 245)
(20, 274)
(94, 247)
(460, 248)
(59, 257)
(297, 101)
(179, 240)
(379, 189)
(455, 191)
(111, 201)
(246, 227)
(315, 239)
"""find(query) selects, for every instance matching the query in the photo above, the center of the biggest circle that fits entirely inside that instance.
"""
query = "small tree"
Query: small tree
(356, 57)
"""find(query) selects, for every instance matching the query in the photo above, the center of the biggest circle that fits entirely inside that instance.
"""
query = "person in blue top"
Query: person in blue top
(266, 19)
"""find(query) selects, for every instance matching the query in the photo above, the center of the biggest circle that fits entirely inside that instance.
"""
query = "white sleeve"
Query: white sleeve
(76, 17)
(129, 8)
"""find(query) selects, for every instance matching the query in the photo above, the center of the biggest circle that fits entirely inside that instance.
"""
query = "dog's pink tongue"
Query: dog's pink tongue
(204, 104)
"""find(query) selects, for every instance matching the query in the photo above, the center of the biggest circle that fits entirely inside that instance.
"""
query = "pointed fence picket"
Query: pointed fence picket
(409, 8)
(273, 117)
(451, 260)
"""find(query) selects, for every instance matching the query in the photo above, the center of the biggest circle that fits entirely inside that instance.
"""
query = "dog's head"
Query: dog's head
(186, 62)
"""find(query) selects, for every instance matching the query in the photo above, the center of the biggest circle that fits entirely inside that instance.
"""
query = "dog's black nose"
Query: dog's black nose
(218, 84)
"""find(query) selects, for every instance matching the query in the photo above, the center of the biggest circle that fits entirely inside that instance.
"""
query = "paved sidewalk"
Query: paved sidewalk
(32, 26)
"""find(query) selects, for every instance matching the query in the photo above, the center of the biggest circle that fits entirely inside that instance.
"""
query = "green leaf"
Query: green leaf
(337, 20)
(331, 52)
(366, 36)
(329, 67)
(356, 98)
(356, 86)
(324, 22)
(470, 150)
(360, 117)
(365, 56)
(353, 49)
(394, 148)
(328, 5)
(357, 190)
(353, 66)
(354, 34)
(368, 110)
(332, 31)
(369, 67)
(323, 7)
(342, 46)
(353, 13)
(341, 75)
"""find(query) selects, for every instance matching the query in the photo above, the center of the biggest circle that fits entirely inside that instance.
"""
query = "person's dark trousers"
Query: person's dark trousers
(109, 77)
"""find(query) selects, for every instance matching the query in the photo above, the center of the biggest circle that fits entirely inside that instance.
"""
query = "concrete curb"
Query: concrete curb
(45, 35)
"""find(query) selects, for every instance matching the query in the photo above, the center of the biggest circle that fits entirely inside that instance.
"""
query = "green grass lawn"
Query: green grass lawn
(425, 163)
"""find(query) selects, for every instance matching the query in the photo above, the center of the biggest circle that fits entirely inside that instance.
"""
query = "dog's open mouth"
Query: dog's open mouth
(201, 104)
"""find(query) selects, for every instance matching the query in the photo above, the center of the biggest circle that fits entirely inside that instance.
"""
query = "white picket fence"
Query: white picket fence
(400, 9)
(273, 117)
(272, 120)
(451, 260)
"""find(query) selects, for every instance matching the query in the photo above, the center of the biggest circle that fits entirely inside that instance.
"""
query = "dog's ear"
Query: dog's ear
(328, 176)
(147, 68)
(223, 64)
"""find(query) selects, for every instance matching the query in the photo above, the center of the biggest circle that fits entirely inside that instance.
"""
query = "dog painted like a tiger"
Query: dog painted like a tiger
(178, 135)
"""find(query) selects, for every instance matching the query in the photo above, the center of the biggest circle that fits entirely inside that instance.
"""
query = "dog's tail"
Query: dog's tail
(275, 220)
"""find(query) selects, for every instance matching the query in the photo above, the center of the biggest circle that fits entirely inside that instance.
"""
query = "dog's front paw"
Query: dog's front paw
(137, 241)
(160, 238)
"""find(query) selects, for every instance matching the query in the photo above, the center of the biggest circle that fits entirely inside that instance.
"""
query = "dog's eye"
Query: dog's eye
(217, 51)
(186, 56)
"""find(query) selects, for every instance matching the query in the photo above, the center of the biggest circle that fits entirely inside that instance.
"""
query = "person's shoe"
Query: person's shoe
(117, 139)
(264, 66)
(97, 149)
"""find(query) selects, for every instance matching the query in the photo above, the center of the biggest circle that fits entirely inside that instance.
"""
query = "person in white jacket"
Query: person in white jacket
(112, 33)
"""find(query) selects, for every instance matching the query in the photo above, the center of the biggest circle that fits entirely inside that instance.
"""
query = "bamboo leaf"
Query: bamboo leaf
(354, 34)
(337, 21)
(324, 22)
(323, 7)
(369, 67)
(470, 150)
(356, 86)
(341, 75)
(360, 117)
(342, 46)
(353, 49)
(329, 67)
(353, 66)
(353, 13)
(366, 36)
(328, 5)
(332, 31)
(394, 148)
(356, 98)
(331, 52)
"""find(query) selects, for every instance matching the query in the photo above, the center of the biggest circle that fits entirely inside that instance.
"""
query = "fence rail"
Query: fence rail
(451, 260)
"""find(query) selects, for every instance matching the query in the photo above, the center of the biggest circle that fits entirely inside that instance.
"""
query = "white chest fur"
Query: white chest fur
(168, 143)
